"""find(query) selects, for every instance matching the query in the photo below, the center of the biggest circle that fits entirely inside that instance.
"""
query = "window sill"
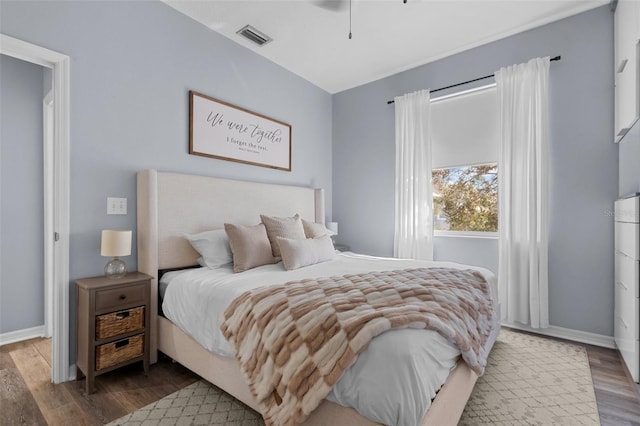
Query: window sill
(462, 234)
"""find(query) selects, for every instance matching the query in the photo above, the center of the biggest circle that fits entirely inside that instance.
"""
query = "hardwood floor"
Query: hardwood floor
(27, 396)
(617, 395)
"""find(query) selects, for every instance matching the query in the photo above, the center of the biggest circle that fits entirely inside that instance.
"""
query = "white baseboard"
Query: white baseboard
(569, 334)
(20, 335)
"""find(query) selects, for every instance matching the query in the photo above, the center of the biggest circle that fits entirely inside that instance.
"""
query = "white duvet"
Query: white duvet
(392, 382)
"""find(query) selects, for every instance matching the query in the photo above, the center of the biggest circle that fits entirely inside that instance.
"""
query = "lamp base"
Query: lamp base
(115, 269)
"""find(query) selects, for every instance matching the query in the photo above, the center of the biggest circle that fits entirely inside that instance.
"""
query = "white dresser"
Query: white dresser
(627, 282)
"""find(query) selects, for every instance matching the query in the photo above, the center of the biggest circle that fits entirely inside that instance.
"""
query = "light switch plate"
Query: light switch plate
(116, 205)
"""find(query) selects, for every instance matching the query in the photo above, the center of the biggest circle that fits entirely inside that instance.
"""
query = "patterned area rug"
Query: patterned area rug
(198, 404)
(529, 380)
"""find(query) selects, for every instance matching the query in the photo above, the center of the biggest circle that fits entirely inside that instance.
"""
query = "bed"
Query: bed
(171, 205)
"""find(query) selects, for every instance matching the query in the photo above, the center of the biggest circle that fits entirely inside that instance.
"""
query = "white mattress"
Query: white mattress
(394, 392)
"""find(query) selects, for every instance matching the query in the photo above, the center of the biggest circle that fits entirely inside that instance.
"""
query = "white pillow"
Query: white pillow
(213, 246)
(297, 253)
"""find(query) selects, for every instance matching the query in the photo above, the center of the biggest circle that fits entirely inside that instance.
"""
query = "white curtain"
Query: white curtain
(523, 171)
(413, 196)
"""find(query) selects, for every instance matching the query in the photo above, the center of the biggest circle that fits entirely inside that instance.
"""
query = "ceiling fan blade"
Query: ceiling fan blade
(332, 5)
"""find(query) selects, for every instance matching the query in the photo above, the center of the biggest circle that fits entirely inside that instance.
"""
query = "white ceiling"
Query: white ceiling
(388, 36)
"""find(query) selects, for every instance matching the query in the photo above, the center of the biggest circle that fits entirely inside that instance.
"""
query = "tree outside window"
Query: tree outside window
(466, 198)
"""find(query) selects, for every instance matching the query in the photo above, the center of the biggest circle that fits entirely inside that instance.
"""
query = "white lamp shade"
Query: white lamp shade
(333, 227)
(115, 243)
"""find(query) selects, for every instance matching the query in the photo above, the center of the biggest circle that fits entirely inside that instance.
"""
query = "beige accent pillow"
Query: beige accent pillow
(285, 227)
(298, 253)
(250, 246)
(314, 230)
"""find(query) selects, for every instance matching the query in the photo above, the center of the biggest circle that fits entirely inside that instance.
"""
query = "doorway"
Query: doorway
(56, 200)
(22, 276)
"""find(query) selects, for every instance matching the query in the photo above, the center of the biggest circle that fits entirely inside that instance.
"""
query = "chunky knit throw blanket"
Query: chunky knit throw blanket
(294, 341)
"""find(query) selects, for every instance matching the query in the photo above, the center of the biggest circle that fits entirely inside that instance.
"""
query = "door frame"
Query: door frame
(56, 197)
(48, 116)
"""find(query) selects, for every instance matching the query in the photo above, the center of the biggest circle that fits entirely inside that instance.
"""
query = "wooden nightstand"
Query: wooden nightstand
(112, 319)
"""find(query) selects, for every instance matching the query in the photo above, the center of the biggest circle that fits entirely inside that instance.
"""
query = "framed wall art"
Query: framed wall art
(221, 130)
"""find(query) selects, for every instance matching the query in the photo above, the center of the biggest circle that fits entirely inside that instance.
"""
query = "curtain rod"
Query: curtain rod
(555, 58)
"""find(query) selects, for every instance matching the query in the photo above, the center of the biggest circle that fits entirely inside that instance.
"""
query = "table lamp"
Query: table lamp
(115, 244)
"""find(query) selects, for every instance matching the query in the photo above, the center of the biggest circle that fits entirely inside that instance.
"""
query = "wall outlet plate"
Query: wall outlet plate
(116, 205)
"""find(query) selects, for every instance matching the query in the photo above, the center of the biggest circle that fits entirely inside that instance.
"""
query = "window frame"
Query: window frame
(464, 234)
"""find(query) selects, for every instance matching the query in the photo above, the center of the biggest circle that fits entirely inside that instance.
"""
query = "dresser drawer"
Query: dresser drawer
(626, 311)
(627, 239)
(626, 274)
(628, 346)
(120, 297)
(628, 210)
(115, 323)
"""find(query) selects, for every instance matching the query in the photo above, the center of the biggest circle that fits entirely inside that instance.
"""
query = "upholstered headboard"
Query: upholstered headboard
(173, 204)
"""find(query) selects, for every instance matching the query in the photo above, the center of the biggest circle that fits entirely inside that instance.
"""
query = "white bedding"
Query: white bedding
(396, 393)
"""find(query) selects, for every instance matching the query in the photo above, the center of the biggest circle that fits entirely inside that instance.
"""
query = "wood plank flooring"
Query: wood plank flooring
(617, 395)
(27, 396)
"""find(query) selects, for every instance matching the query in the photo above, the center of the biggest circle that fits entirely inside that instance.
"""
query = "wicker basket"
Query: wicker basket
(114, 323)
(119, 351)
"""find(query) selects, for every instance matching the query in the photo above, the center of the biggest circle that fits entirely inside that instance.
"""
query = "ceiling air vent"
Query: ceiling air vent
(254, 35)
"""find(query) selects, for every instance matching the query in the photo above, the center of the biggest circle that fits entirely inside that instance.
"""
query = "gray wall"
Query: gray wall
(629, 153)
(584, 161)
(132, 65)
(21, 196)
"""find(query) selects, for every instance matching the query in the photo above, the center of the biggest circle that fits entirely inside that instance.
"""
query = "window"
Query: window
(464, 134)
(466, 198)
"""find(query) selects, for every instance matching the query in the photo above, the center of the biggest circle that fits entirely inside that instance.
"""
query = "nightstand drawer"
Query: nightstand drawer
(119, 351)
(121, 322)
(116, 298)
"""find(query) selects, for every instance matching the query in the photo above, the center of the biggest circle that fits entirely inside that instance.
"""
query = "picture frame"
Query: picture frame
(221, 130)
